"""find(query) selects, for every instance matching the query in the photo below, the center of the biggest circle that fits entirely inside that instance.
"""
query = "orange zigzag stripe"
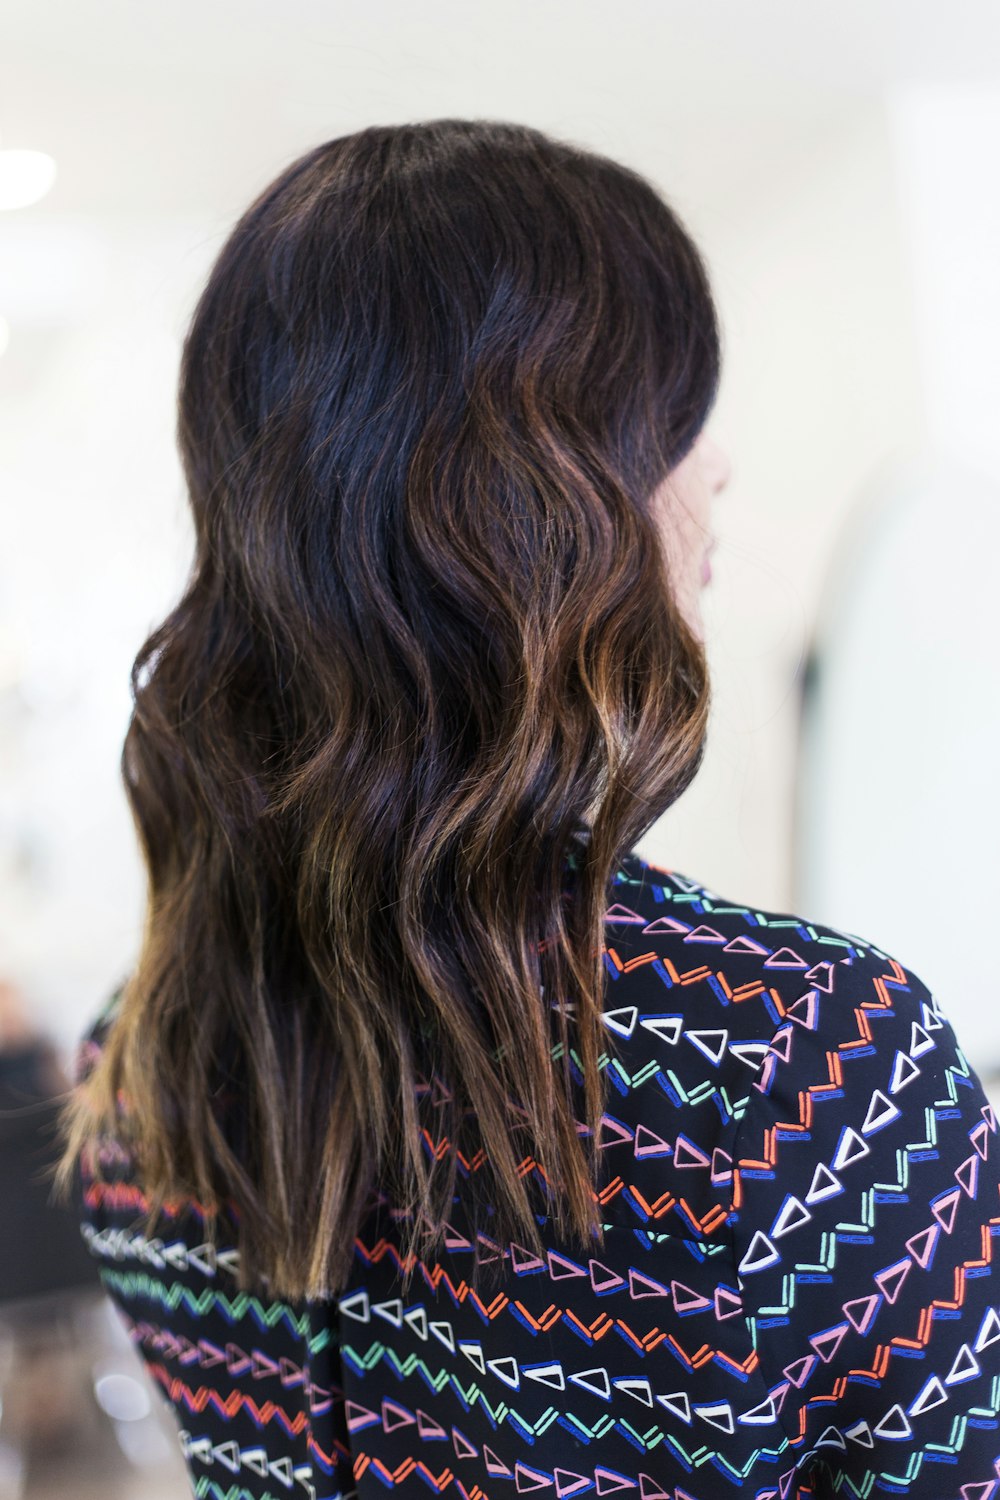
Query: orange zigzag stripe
(880, 1359)
(601, 1326)
(197, 1399)
(685, 976)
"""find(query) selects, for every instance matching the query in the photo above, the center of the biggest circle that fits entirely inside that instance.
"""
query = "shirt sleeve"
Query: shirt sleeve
(251, 1380)
(866, 1209)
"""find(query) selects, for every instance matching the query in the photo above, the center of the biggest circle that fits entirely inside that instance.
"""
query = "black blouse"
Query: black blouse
(795, 1295)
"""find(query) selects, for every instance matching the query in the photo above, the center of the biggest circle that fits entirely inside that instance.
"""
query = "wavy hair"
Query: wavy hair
(428, 680)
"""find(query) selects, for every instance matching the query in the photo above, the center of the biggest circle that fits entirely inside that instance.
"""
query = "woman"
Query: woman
(438, 1140)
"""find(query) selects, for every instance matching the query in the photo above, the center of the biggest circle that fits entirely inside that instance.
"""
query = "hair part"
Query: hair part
(428, 636)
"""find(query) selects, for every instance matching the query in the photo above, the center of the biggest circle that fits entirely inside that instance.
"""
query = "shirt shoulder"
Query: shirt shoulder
(706, 998)
(735, 958)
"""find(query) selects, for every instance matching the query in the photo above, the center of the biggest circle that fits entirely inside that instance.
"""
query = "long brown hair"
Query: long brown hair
(429, 634)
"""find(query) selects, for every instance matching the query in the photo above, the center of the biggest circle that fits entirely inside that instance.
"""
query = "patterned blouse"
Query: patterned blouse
(795, 1295)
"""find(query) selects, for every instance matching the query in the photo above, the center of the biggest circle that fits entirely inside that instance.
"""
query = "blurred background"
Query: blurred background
(840, 168)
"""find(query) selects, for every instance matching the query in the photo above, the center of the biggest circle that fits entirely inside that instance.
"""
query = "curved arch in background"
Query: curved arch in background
(897, 821)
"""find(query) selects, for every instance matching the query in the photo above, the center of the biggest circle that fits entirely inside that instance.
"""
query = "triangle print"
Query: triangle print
(904, 1071)
(760, 1254)
(967, 1173)
(648, 1143)
(945, 1208)
(861, 1311)
(827, 1343)
(705, 934)
(746, 945)
(620, 915)
(621, 1021)
(850, 1148)
(791, 1215)
(920, 1041)
(394, 1415)
(463, 1447)
(785, 958)
(964, 1367)
(665, 925)
(890, 1281)
(805, 1011)
(678, 1403)
(721, 1168)
(894, 1425)
(750, 1053)
(550, 1374)
(823, 1184)
(711, 1044)
(667, 1027)
(687, 1154)
(881, 1112)
(921, 1246)
(569, 1483)
(687, 1300)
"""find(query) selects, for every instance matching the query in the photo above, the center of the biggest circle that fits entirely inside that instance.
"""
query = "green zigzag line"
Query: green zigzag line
(135, 1284)
(414, 1364)
(205, 1488)
(707, 1089)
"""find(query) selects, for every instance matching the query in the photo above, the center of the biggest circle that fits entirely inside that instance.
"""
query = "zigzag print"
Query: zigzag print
(794, 1295)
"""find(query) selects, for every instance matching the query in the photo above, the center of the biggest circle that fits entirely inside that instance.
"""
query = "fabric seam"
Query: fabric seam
(731, 1228)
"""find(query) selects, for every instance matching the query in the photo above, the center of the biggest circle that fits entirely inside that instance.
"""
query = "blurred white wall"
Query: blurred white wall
(821, 391)
(849, 241)
(900, 812)
(96, 542)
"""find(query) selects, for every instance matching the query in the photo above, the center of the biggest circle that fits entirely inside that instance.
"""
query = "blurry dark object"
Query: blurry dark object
(41, 1247)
